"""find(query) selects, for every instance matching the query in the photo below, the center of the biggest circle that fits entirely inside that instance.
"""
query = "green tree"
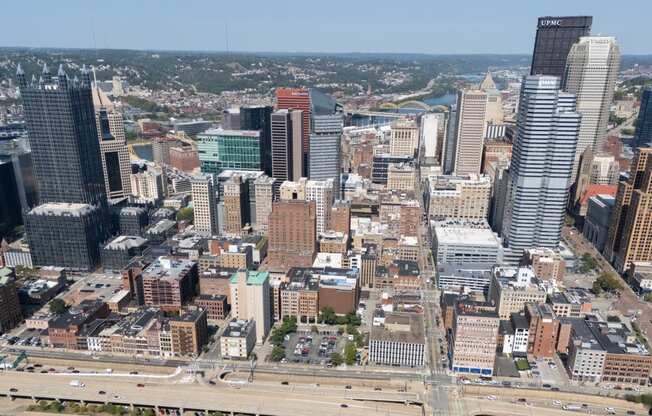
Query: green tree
(328, 316)
(349, 353)
(608, 282)
(336, 359)
(58, 306)
(648, 297)
(186, 214)
(587, 263)
(278, 353)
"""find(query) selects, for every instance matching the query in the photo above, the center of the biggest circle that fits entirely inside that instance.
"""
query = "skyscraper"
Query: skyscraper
(113, 146)
(286, 129)
(643, 135)
(404, 139)
(298, 99)
(259, 118)
(591, 72)
(325, 148)
(544, 149)
(292, 234)
(554, 39)
(69, 225)
(204, 202)
(220, 150)
(618, 241)
(472, 107)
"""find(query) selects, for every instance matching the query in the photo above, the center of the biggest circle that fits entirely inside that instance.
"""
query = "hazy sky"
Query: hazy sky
(427, 26)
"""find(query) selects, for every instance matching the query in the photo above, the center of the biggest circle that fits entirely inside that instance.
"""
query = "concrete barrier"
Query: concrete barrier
(470, 389)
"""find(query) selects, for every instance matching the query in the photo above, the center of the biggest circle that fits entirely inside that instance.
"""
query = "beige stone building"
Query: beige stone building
(464, 196)
(404, 139)
(233, 205)
(474, 340)
(401, 177)
(511, 290)
(264, 191)
(204, 202)
(472, 107)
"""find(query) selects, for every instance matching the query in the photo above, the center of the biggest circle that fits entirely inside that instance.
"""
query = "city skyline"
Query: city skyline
(339, 28)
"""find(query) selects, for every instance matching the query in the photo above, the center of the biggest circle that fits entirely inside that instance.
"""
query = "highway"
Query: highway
(248, 399)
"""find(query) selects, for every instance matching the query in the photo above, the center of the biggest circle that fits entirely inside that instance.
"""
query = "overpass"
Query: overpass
(244, 399)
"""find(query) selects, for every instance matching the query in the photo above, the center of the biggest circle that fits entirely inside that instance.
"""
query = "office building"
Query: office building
(113, 146)
(120, 252)
(238, 339)
(286, 130)
(292, 233)
(469, 131)
(189, 332)
(215, 306)
(544, 327)
(381, 163)
(220, 150)
(432, 132)
(401, 177)
(586, 356)
(540, 171)
(547, 264)
(231, 118)
(554, 39)
(399, 341)
(69, 175)
(148, 182)
(598, 220)
(494, 116)
(133, 220)
(515, 333)
(161, 149)
(643, 134)
(404, 139)
(258, 118)
(341, 217)
(338, 289)
(204, 202)
(184, 158)
(250, 300)
(475, 277)
(297, 99)
(473, 341)
(591, 72)
(191, 127)
(465, 242)
(234, 205)
(265, 190)
(325, 147)
(10, 315)
(321, 192)
(629, 231)
(571, 303)
(168, 283)
(458, 197)
(511, 291)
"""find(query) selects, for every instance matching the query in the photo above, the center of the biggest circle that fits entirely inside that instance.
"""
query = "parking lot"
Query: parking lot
(312, 348)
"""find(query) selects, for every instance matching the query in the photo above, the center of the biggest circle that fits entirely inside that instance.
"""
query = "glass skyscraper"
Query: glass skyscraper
(555, 36)
(643, 135)
(540, 171)
(259, 118)
(229, 149)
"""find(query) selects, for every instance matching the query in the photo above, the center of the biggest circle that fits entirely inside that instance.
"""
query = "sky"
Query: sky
(409, 26)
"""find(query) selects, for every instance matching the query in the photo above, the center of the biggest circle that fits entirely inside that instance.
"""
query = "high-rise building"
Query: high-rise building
(459, 197)
(591, 72)
(554, 39)
(404, 138)
(298, 99)
(287, 156)
(161, 149)
(292, 234)
(259, 118)
(265, 190)
(67, 229)
(539, 176)
(148, 182)
(325, 149)
(470, 128)
(250, 299)
(113, 146)
(234, 205)
(634, 243)
(10, 315)
(643, 135)
(341, 217)
(474, 339)
(189, 332)
(494, 115)
(220, 150)
(432, 132)
(322, 193)
(204, 202)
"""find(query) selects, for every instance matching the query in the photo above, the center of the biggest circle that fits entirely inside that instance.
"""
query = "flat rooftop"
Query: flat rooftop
(414, 335)
(61, 208)
(168, 268)
(465, 233)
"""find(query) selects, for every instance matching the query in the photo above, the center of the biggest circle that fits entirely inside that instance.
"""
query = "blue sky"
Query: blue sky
(423, 26)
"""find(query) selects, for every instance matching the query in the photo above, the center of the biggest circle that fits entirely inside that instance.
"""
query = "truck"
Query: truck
(77, 383)
(571, 407)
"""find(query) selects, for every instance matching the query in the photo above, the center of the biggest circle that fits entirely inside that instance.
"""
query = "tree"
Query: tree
(278, 353)
(328, 316)
(597, 289)
(58, 306)
(349, 353)
(608, 282)
(587, 263)
(186, 214)
(648, 297)
(336, 359)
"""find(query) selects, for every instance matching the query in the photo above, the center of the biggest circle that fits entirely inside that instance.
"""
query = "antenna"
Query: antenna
(226, 36)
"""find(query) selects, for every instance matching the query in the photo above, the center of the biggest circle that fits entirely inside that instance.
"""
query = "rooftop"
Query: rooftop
(462, 232)
(168, 268)
(125, 242)
(393, 329)
(63, 209)
(238, 328)
(253, 277)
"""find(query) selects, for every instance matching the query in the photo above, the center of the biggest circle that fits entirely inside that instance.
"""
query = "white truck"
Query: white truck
(571, 407)
(77, 383)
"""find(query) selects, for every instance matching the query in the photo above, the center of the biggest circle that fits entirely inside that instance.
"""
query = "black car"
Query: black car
(285, 383)
(348, 387)
(13, 390)
(101, 392)
(344, 405)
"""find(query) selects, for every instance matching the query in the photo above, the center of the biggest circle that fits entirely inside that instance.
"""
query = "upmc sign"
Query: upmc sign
(549, 22)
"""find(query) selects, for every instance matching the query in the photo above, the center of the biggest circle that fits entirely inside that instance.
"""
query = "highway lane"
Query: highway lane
(194, 396)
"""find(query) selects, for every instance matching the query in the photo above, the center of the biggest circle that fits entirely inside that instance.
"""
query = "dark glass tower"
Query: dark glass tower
(643, 136)
(69, 225)
(259, 118)
(555, 36)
